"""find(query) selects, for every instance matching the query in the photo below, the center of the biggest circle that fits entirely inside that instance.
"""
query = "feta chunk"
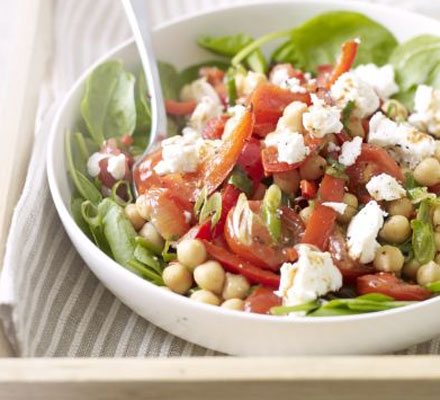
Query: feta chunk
(381, 79)
(180, 154)
(362, 232)
(332, 147)
(351, 151)
(291, 119)
(313, 275)
(116, 166)
(427, 110)
(246, 84)
(199, 89)
(338, 207)
(349, 87)
(205, 110)
(93, 168)
(294, 85)
(279, 75)
(407, 144)
(290, 145)
(321, 119)
(385, 187)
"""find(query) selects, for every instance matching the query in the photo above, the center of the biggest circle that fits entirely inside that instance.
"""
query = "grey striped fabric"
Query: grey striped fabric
(51, 304)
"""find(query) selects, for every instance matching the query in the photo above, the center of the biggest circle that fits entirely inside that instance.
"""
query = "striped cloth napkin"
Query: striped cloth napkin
(50, 302)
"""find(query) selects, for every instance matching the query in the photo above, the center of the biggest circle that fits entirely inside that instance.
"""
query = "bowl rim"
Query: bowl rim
(67, 218)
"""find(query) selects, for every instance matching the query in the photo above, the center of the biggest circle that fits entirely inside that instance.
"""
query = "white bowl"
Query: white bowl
(229, 331)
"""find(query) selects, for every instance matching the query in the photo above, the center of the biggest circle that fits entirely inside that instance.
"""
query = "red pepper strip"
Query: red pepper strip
(250, 160)
(202, 232)
(214, 127)
(345, 62)
(180, 107)
(322, 220)
(229, 199)
(237, 265)
(308, 189)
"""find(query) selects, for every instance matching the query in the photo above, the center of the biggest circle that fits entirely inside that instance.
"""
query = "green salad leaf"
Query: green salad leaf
(423, 242)
(170, 80)
(318, 41)
(416, 62)
(143, 111)
(108, 105)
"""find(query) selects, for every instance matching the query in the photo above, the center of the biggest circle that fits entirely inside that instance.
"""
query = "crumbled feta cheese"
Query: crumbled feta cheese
(321, 119)
(291, 120)
(116, 166)
(427, 110)
(338, 207)
(290, 145)
(313, 275)
(205, 110)
(385, 187)
(187, 216)
(93, 168)
(180, 154)
(362, 232)
(381, 79)
(279, 76)
(332, 147)
(351, 151)
(294, 85)
(199, 89)
(246, 84)
(350, 87)
(237, 113)
(406, 143)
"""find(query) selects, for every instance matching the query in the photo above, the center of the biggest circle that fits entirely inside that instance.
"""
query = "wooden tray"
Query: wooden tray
(342, 378)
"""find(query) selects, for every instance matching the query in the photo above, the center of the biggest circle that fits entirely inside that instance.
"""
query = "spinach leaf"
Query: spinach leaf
(108, 105)
(145, 257)
(170, 80)
(191, 73)
(318, 41)
(229, 46)
(143, 109)
(75, 209)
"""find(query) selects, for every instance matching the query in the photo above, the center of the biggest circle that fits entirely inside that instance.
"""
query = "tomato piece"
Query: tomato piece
(345, 61)
(202, 232)
(237, 265)
(250, 160)
(293, 227)
(166, 213)
(322, 219)
(263, 129)
(214, 127)
(289, 71)
(269, 101)
(308, 189)
(261, 301)
(350, 269)
(390, 285)
(174, 107)
(214, 75)
(435, 189)
(229, 198)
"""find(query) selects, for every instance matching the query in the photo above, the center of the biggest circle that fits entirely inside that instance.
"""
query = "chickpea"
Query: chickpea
(401, 207)
(410, 269)
(436, 218)
(313, 169)
(388, 259)
(395, 110)
(233, 304)
(292, 118)
(210, 276)
(427, 173)
(305, 214)
(177, 277)
(437, 150)
(143, 207)
(350, 211)
(236, 286)
(132, 214)
(205, 296)
(149, 232)
(288, 182)
(355, 127)
(396, 229)
(191, 252)
(437, 240)
(428, 273)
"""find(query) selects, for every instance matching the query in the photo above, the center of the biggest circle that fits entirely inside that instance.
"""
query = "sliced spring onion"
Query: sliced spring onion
(116, 198)
(286, 310)
(271, 211)
(166, 254)
(240, 179)
(212, 208)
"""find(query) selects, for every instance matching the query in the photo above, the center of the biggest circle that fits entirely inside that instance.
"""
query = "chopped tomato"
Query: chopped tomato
(126, 140)
(229, 198)
(293, 227)
(214, 127)
(350, 269)
(322, 219)
(166, 213)
(343, 137)
(214, 75)
(269, 101)
(263, 129)
(250, 160)
(390, 285)
(237, 265)
(345, 62)
(308, 189)
(435, 189)
(174, 107)
(202, 232)
(261, 301)
(288, 70)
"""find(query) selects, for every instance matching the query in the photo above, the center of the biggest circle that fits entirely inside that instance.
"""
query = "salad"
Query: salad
(306, 185)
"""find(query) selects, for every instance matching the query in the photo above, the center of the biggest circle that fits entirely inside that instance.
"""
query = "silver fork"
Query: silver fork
(137, 15)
